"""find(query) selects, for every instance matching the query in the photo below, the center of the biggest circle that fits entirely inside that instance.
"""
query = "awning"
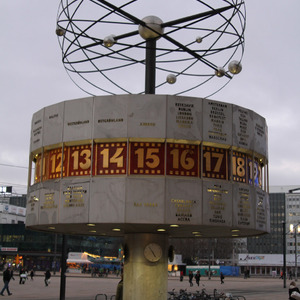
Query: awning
(79, 261)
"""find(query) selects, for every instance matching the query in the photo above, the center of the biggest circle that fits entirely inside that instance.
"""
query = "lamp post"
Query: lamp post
(209, 260)
(296, 227)
(284, 253)
(296, 266)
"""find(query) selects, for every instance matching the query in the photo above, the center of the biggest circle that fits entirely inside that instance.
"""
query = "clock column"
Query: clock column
(145, 272)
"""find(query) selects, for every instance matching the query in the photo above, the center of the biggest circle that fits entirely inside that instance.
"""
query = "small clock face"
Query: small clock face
(153, 252)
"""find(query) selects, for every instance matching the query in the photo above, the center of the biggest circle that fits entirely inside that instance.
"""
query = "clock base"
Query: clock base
(144, 279)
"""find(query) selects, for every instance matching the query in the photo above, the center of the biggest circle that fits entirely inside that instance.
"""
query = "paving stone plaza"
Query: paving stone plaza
(86, 288)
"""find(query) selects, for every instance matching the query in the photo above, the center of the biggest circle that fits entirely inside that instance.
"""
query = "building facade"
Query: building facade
(284, 211)
(271, 243)
(21, 247)
(12, 209)
(293, 221)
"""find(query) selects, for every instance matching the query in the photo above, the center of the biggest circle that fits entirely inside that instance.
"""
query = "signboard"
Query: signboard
(146, 158)
(215, 163)
(79, 160)
(242, 127)
(217, 122)
(74, 197)
(239, 167)
(265, 260)
(10, 249)
(55, 161)
(37, 126)
(146, 116)
(182, 160)
(78, 119)
(183, 201)
(184, 118)
(217, 203)
(110, 158)
(53, 124)
(243, 206)
(110, 117)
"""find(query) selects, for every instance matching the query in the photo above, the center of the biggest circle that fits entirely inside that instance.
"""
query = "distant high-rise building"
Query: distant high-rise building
(272, 242)
(293, 220)
(284, 207)
(12, 209)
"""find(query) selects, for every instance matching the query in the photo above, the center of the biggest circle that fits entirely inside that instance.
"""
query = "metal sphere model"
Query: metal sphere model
(106, 45)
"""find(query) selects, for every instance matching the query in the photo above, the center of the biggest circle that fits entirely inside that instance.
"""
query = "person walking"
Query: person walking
(281, 275)
(6, 280)
(222, 278)
(191, 278)
(197, 277)
(47, 277)
(293, 288)
(22, 271)
(181, 275)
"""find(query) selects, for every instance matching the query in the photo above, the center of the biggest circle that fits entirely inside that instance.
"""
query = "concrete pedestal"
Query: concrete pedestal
(144, 279)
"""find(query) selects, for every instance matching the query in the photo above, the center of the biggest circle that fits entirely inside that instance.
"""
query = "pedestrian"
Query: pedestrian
(119, 293)
(281, 275)
(197, 277)
(47, 277)
(222, 278)
(31, 274)
(20, 273)
(191, 278)
(293, 289)
(6, 280)
(23, 276)
(181, 275)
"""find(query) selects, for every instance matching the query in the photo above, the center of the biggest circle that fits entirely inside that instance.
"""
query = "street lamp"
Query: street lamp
(284, 253)
(294, 229)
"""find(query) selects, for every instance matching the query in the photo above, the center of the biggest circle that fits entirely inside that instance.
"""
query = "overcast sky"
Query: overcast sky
(32, 77)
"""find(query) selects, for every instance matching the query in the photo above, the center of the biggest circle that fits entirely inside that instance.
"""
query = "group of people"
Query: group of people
(198, 276)
(24, 275)
(8, 275)
(294, 292)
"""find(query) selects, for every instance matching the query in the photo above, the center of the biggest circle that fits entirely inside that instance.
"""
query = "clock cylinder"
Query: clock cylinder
(116, 165)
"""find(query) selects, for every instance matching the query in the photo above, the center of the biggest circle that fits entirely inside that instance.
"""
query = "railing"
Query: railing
(202, 295)
(104, 297)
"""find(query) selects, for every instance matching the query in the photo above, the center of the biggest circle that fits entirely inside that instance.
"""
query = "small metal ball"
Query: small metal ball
(60, 31)
(171, 78)
(109, 41)
(199, 39)
(220, 72)
(154, 23)
(235, 67)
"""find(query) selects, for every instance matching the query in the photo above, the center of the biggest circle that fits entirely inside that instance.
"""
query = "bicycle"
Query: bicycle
(226, 296)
